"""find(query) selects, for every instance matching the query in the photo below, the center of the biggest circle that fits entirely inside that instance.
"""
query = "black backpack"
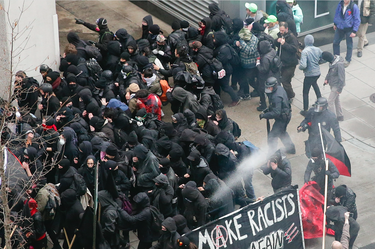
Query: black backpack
(236, 129)
(226, 22)
(95, 70)
(157, 219)
(91, 52)
(120, 137)
(79, 184)
(266, 37)
(276, 64)
(216, 67)
(235, 60)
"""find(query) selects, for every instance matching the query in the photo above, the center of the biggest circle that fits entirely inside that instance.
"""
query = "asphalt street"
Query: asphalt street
(358, 128)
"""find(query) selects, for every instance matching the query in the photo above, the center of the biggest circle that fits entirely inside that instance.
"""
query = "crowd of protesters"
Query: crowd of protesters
(103, 112)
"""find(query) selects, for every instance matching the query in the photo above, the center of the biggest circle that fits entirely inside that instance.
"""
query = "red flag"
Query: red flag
(311, 203)
(336, 153)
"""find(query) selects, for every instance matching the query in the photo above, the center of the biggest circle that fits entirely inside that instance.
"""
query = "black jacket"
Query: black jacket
(207, 39)
(215, 15)
(105, 36)
(267, 54)
(281, 176)
(141, 220)
(168, 240)
(288, 50)
(222, 51)
(279, 106)
(124, 38)
(195, 205)
(202, 57)
(162, 196)
(176, 38)
(27, 93)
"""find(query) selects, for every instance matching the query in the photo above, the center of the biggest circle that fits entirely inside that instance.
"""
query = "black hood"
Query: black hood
(73, 37)
(224, 137)
(140, 152)
(106, 199)
(207, 22)
(148, 20)
(114, 48)
(213, 8)
(31, 152)
(86, 95)
(78, 128)
(180, 221)
(122, 34)
(73, 70)
(212, 186)
(220, 38)
(69, 135)
(222, 150)
(86, 148)
(190, 192)
(201, 140)
(237, 25)
(264, 47)
(170, 225)
(54, 76)
(68, 198)
(188, 135)
(142, 200)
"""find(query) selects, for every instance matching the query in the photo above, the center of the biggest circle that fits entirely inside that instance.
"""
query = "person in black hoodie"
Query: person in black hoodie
(73, 210)
(204, 146)
(141, 220)
(66, 173)
(198, 168)
(133, 51)
(85, 99)
(202, 57)
(206, 33)
(181, 224)
(205, 123)
(124, 38)
(73, 88)
(122, 182)
(102, 125)
(146, 23)
(176, 162)
(113, 55)
(80, 45)
(215, 15)
(162, 195)
(68, 140)
(58, 84)
(179, 122)
(87, 171)
(105, 35)
(223, 54)
(266, 68)
(165, 168)
(280, 170)
(195, 205)
(26, 91)
(176, 38)
(169, 235)
(50, 103)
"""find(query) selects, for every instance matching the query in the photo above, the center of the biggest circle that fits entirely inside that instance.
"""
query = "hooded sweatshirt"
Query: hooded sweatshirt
(310, 58)
(147, 167)
(266, 65)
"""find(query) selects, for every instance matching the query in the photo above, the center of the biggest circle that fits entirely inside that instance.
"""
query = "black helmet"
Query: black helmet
(46, 88)
(101, 22)
(321, 104)
(270, 82)
(43, 68)
(107, 74)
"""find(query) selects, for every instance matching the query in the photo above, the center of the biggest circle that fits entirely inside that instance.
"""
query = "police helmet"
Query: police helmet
(107, 74)
(270, 82)
(43, 68)
(46, 88)
(321, 104)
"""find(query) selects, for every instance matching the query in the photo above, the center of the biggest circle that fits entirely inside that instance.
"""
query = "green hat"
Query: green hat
(252, 7)
(271, 19)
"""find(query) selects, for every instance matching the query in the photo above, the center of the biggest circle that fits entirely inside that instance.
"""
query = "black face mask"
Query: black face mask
(72, 86)
(26, 160)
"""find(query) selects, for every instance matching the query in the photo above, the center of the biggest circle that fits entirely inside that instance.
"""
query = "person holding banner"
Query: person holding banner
(317, 165)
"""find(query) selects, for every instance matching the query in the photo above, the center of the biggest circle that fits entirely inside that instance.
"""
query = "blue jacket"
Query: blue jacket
(351, 19)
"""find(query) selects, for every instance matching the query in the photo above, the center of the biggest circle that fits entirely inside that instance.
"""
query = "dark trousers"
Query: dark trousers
(236, 76)
(224, 85)
(287, 74)
(51, 233)
(248, 76)
(279, 131)
(340, 34)
(307, 83)
(144, 245)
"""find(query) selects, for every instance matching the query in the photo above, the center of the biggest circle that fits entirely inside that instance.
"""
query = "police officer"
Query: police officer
(280, 110)
(319, 114)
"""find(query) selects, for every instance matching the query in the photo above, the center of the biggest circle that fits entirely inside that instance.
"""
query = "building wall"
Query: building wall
(35, 38)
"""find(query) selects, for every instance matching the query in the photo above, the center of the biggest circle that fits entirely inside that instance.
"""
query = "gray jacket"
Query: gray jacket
(310, 58)
(336, 73)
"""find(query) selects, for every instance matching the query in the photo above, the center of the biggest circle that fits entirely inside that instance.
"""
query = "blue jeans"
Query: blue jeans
(339, 36)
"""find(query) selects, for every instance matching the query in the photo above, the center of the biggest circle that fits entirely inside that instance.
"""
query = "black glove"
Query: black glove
(328, 173)
(79, 21)
(261, 116)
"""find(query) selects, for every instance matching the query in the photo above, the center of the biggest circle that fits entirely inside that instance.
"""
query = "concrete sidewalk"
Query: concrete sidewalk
(358, 129)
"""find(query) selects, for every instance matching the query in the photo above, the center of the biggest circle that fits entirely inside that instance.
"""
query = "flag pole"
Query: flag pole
(325, 187)
(95, 204)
